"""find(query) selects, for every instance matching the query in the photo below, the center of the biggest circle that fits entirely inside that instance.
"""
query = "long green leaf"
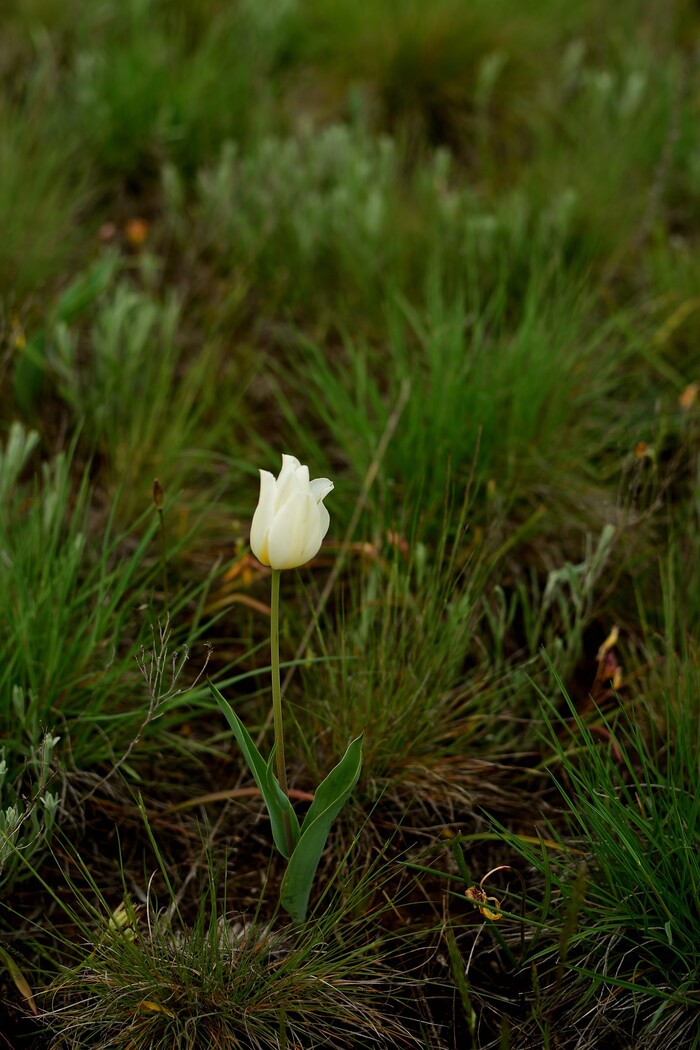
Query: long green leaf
(275, 799)
(331, 795)
(276, 791)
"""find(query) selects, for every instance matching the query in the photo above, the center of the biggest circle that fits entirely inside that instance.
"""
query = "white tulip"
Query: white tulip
(290, 519)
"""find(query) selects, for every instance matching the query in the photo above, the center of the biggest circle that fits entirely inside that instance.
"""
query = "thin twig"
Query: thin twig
(153, 671)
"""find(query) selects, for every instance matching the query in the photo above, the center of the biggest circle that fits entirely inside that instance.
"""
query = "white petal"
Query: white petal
(324, 519)
(292, 482)
(290, 464)
(288, 535)
(316, 526)
(302, 477)
(264, 514)
(320, 487)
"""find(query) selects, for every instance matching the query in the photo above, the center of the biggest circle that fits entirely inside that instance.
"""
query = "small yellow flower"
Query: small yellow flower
(476, 895)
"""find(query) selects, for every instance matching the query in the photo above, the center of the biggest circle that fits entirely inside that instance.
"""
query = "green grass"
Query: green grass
(514, 402)
(141, 974)
(624, 905)
(41, 203)
(445, 254)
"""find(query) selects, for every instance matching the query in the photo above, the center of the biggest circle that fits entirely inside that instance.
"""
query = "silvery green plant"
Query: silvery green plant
(288, 528)
(19, 445)
(27, 807)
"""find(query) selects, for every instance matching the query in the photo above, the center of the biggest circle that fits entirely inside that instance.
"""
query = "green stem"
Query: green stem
(277, 697)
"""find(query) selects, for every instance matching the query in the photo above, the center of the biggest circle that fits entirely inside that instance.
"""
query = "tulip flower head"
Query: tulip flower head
(290, 519)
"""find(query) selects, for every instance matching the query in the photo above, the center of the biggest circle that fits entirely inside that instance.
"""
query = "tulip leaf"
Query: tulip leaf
(331, 795)
(275, 799)
(275, 791)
